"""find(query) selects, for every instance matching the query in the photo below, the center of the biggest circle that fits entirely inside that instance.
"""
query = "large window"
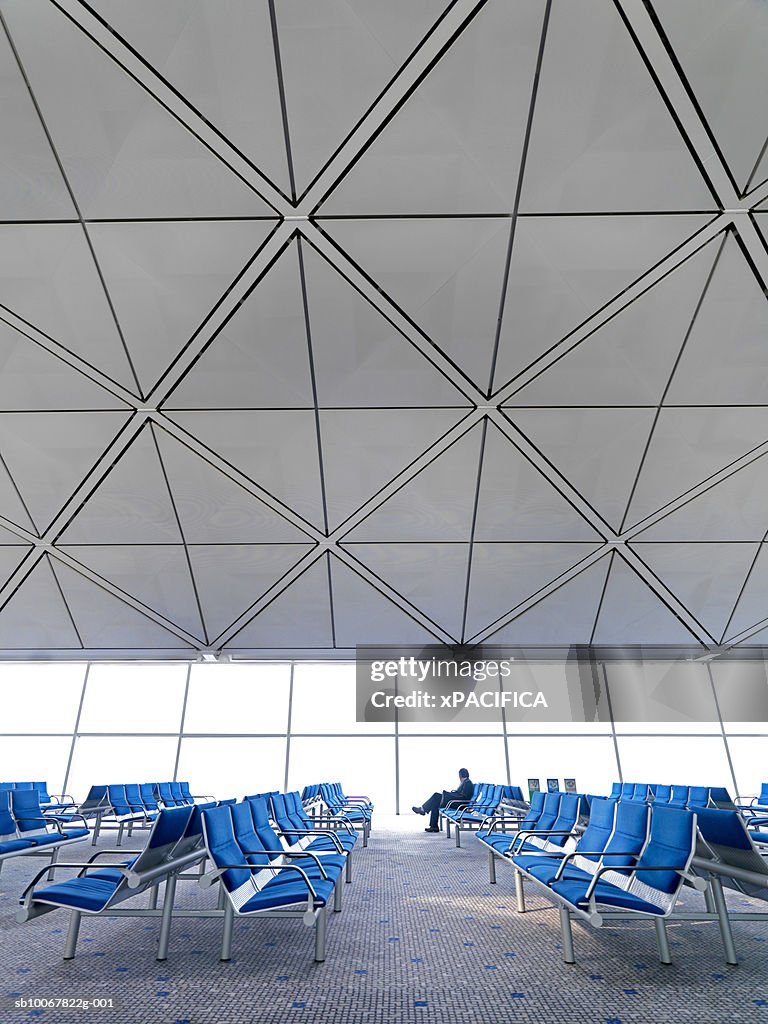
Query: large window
(232, 729)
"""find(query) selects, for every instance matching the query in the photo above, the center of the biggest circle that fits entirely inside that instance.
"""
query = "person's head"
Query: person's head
(463, 774)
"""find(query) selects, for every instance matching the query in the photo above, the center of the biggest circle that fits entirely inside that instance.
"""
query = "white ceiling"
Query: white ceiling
(327, 322)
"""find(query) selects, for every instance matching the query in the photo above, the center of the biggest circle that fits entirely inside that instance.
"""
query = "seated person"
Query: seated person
(456, 797)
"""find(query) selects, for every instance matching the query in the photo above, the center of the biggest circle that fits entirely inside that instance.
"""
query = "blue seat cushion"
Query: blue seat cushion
(605, 893)
(111, 874)
(498, 841)
(45, 838)
(284, 893)
(12, 845)
(90, 894)
(546, 871)
(532, 863)
(75, 833)
(326, 843)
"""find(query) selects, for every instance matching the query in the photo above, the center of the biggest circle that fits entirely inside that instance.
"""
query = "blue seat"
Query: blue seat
(257, 889)
(583, 859)
(652, 873)
(501, 841)
(96, 888)
(298, 829)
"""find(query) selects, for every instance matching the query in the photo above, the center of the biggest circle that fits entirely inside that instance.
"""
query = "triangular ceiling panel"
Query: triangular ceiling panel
(12, 506)
(36, 617)
(706, 578)
(327, 45)
(48, 454)
(516, 502)
(298, 617)
(359, 358)
(688, 446)
(436, 505)
(596, 450)
(605, 141)
(33, 378)
(628, 361)
(31, 187)
(564, 269)
(164, 279)
(445, 274)
(104, 621)
(566, 616)
(364, 449)
(131, 505)
(443, 151)
(732, 510)
(363, 615)
(157, 575)
(12, 553)
(722, 47)
(503, 575)
(431, 577)
(232, 577)
(275, 448)
(212, 508)
(752, 606)
(215, 61)
(724, 361)
(49, 279)
(631, 613)
(260, 357)
(123, 153)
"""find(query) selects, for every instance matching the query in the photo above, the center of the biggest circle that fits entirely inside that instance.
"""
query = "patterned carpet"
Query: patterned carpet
(423, 937)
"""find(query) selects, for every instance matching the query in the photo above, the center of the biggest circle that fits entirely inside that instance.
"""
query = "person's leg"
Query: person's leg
(426, 807)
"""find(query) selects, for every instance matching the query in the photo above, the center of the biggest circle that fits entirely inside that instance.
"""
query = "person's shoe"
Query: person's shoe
(418, 810)
(430, 829)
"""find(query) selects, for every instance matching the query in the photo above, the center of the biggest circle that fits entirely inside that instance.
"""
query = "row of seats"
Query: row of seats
(632, 859)
(26, 831)
(327, 801)
(674, 796)
(551, 819)
(485, 800)
(121, 806)
(46, 800)
(267, 856)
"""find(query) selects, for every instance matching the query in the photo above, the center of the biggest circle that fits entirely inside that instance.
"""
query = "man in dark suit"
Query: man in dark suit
(456, 797)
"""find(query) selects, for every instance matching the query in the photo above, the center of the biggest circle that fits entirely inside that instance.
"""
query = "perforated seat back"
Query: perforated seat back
(223, 848)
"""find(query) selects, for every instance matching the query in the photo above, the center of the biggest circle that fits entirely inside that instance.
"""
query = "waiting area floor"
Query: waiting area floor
(423, 937)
